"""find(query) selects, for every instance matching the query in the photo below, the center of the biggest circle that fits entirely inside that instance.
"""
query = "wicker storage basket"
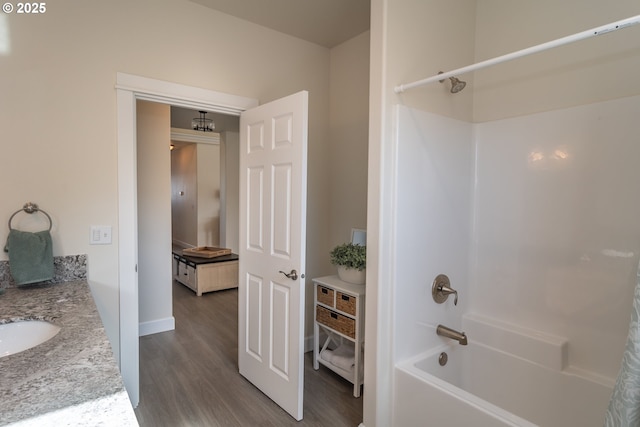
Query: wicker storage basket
(343, 324)
(325, 295)
(346, 303)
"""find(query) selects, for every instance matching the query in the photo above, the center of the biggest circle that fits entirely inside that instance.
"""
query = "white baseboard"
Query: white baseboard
(308, 343)
(156, 326)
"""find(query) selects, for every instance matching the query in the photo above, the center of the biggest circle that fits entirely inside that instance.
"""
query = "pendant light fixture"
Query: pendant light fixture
(202, 123)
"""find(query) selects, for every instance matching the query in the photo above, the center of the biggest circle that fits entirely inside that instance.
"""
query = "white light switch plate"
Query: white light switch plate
(100, 235)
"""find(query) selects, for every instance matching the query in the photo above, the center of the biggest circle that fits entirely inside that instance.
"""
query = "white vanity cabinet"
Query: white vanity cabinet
(339, 321)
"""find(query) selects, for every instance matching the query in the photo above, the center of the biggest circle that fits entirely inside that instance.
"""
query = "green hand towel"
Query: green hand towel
(30, 256)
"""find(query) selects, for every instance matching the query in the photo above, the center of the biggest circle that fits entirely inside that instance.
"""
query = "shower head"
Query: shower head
(456, 84)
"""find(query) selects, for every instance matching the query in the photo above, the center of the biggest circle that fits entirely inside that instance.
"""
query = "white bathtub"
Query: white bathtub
(486, 386)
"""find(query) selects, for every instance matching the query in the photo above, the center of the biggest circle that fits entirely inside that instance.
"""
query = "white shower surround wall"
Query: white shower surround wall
(535, 219)
(433, 224)
(557, 234)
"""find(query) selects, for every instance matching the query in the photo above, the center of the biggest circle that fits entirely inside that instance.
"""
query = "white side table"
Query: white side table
(339, 312)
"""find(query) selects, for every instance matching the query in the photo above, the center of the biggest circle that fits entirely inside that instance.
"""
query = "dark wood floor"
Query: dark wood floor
(189, 376)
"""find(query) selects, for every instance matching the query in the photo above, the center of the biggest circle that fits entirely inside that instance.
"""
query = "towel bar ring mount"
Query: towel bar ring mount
(31, 208)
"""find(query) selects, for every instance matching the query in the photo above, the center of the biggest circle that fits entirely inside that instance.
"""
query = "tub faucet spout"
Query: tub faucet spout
(443, 331)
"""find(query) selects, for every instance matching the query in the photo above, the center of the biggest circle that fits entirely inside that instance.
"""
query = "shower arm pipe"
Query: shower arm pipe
(618, 25)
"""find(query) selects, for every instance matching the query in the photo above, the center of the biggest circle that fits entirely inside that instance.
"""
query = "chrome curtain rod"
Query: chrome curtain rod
(618, 25)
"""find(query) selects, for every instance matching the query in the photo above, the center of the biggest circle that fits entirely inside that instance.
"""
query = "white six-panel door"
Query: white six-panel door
(273, 183)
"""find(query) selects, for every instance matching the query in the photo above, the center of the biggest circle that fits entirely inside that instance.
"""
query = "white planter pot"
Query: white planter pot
(352, 275)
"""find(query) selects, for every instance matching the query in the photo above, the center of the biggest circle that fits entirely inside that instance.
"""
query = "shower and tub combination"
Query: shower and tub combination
(521, 332)
(505, 377)
(496, 378)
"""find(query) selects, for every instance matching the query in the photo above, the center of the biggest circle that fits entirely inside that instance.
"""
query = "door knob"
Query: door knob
(293, 275)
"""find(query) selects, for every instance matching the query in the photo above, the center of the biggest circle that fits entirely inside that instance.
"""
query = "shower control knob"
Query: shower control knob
(441, 289)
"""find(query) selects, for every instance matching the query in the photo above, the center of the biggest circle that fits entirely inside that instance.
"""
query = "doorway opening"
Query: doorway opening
(129, 89)
(203, 348)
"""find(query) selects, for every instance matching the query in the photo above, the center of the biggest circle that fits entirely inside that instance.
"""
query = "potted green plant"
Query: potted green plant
(351, 260)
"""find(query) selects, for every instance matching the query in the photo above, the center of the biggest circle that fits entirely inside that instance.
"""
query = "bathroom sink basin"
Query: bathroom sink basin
(19, 336)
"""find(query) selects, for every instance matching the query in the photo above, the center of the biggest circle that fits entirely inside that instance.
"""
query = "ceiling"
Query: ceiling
(327, 23)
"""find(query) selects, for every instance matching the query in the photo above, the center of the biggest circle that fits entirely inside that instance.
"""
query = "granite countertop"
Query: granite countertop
(73, 378)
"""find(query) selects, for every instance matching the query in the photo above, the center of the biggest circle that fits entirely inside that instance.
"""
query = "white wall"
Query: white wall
(230, 190)
(349, 137)
(61, 68)
(154, 211)
(592, 70)
(184, 184)
(424, 38)
(195, 197)
(208, 206)
(344, 178)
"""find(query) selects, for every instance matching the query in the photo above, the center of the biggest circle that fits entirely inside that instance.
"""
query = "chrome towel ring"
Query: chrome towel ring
(30, 208)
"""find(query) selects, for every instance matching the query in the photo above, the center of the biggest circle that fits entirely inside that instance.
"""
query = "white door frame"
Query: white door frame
(130, 88)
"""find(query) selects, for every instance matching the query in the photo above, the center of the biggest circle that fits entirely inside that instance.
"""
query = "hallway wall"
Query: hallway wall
(154, 187)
